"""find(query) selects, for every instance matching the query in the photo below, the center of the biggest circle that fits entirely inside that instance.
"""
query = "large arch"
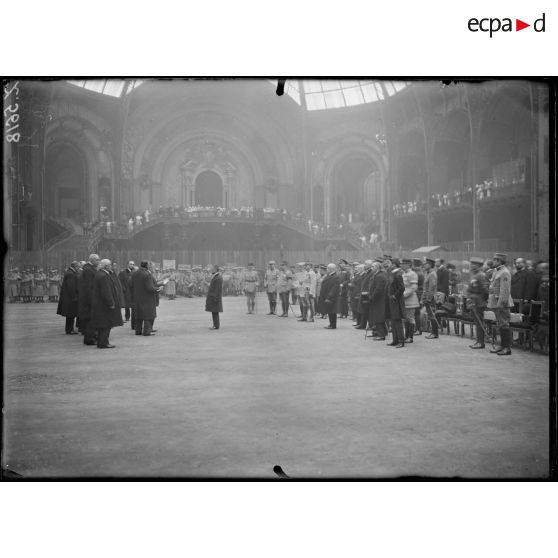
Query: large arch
(261, 148)
(65, 182)
(76, 134)
(335, 157)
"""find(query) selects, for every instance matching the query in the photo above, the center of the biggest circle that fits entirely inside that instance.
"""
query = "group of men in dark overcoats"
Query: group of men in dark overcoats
(92, 296)
(379, 290)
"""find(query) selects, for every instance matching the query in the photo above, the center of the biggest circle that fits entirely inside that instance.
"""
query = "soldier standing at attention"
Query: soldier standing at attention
(308, 291)
(477, 293)
(284, 282)
(250, 286)
(270, 285)
(500, 302)
(53, 285)
(410, 282)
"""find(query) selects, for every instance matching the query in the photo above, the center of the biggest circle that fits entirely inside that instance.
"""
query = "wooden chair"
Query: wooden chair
(447, 320)
(526, 327)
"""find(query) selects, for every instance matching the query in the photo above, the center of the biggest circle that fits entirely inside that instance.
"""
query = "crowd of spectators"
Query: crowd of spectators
(483, 191)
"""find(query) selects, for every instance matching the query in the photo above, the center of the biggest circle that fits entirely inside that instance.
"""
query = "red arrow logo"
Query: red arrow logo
(519, 25)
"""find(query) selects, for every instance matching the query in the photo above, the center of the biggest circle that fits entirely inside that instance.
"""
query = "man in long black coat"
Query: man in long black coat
(105, 305)
(396, 288)
(329, 295)
(85, 284)
(68, 302)
(344, 280)
(378, 296)
(363, 308)
(214, 299)
(144, 298)
(524, 284)
(123, 277)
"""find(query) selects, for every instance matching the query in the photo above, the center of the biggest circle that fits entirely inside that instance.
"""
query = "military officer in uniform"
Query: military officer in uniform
(410, 282)
(53, 285)
(39, 286)
(500, 302)
(477, 293)
(13, 279)
(250, 287)
(284, 283)
(308, 291)
(270, 285)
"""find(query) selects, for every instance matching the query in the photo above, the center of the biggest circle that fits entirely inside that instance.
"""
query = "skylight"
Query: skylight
(334, 93)
(111, 87)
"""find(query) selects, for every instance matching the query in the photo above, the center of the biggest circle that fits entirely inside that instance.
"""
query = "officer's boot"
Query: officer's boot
(479, 344)
(409, 333)
(498, 348)
(506, 342)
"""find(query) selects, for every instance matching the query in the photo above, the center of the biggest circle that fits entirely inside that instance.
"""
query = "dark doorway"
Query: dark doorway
(209, 189)
(65, 183)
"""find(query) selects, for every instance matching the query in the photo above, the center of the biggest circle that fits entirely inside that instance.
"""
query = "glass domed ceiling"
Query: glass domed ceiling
(111, 87)
(319, 94)
(322, 94)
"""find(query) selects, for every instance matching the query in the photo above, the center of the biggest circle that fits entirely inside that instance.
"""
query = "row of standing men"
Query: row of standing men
(388, 291)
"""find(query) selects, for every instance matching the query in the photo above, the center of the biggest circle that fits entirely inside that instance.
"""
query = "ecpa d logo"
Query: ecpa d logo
(492, 25)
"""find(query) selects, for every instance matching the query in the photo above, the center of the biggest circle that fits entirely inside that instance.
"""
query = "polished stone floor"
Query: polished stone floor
(264, 391)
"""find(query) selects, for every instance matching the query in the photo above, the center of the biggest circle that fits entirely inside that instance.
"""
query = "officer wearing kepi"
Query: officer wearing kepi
(477, 295)
(500, 302)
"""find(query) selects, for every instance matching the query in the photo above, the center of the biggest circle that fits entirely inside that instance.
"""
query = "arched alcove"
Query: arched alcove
(349, 196)
(209, 189)
(66, 178)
